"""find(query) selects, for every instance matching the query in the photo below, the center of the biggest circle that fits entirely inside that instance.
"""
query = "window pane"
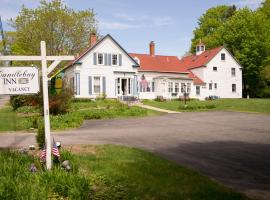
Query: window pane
(197, 90)
(233, 71)
(100, 58)
(170, 89)
(233, 87)
(96, 84)
(176, 87)
(188, 87)
(223, 56)
(214, 68)
(210, 86)
(114, 59)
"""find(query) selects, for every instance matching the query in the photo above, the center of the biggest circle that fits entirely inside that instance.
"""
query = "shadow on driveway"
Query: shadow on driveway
(244, 166)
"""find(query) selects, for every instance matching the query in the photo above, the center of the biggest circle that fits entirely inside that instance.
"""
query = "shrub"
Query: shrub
(265, 93)
(160, 99)
(40, 137)
(17, 101)
(60, 103)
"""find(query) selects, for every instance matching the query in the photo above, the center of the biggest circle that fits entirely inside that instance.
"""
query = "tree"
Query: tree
(65, 31)
(209, 23)
(246, 34)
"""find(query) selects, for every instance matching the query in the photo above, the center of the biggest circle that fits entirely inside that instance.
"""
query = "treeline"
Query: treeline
(246, 33)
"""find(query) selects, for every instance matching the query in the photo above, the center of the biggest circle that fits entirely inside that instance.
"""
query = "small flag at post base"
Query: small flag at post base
(55, 150)
(43, 154)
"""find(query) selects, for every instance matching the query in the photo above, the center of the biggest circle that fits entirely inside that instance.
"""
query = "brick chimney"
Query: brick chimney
(152, 48)
(92, 39)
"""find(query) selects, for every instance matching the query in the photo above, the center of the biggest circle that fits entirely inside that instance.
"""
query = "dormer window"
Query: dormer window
(114, 59)
(100, 58)
(202, 47)
(223, 56)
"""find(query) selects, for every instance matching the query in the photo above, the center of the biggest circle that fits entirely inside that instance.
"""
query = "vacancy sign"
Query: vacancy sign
(19, 80)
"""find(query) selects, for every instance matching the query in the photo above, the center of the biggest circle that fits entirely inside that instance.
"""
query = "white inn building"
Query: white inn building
(106, 68)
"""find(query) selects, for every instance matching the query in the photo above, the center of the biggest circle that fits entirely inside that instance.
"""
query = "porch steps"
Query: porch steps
(155, 108)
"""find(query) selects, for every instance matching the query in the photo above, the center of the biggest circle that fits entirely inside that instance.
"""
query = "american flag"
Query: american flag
(43, 154)
(55, 150)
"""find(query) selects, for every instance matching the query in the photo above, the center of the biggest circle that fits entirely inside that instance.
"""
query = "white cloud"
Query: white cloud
(124, 21)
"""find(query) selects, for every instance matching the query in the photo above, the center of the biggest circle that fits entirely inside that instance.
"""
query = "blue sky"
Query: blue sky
(134, 23)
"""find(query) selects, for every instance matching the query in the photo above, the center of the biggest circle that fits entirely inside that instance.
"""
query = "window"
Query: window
(215, 69)
(97, 84)
(176, 87)
(77, 84)
(210, 86)
(202, 48)
(215, 85)
(170, 88)
(198, 48)
(223, 56)
(233, 87)
(100, 59)
(114, 59)
(188, 87)
(153, 86)
(233, 71)
(183, 88)
(198, 90)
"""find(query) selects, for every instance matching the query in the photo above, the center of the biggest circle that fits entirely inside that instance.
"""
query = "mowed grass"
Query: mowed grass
(26, 118)
(106, 172)
(243, 105)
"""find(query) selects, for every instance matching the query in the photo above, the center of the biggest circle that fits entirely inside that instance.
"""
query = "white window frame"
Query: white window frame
(188, 88)
(93, 84)
(117, 59)
(103, 58)
(178, 87)
(170, 87)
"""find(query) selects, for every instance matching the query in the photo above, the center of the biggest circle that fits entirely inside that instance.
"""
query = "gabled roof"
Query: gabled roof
(159, 63)
(75, 61)
(193, 61)
(169, 64)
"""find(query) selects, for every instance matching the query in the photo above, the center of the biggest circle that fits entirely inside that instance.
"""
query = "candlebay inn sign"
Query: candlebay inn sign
(25, 80)
(19, 80)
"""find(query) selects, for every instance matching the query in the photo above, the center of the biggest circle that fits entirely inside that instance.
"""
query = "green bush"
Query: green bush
(17, 101)
(40, 137)
(265, 93)
(60, 103)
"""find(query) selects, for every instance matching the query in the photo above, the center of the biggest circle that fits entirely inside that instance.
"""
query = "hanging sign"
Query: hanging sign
(19, 80)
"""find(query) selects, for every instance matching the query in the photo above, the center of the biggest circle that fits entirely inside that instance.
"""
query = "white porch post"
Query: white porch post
(46, 105)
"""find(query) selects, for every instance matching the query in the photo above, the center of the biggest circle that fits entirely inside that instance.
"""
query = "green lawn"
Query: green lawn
(106, 172)
(243, 105)
(25, 118)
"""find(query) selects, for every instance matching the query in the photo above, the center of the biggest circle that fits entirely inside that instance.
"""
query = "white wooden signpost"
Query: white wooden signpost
(23, 80)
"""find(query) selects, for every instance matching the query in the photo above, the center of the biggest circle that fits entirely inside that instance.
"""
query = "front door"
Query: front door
(123, 86)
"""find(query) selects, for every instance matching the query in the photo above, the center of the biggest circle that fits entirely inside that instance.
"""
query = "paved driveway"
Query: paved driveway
(231, 147)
